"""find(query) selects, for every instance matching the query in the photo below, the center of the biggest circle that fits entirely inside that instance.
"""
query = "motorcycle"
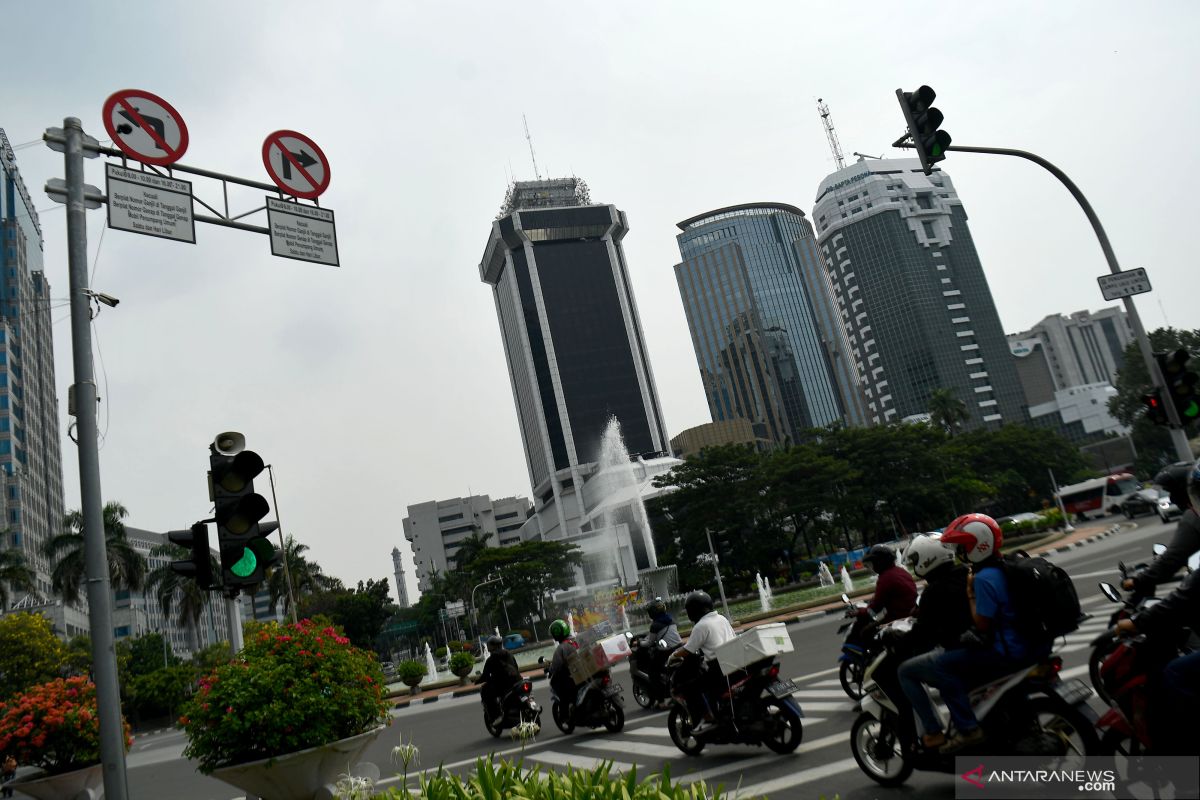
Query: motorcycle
(517, 706)
(598, 702)
(651, 685)
(756, 708)
(857, 649)
(1030, 712)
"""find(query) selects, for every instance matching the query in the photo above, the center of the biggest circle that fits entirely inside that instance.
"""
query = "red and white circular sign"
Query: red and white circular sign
(296, 164)
(145, 127)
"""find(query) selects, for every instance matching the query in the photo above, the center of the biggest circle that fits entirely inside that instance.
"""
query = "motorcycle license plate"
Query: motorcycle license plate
(612, 691)
(1074, 691)
(783, 688)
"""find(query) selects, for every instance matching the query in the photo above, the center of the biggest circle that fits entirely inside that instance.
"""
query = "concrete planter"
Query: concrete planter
(303, 775)
(81, 784)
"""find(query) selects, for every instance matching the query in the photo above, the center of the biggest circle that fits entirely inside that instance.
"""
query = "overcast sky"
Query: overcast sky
(383, 383)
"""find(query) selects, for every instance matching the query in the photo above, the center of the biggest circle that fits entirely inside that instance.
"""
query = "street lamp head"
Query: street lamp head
(101, 297)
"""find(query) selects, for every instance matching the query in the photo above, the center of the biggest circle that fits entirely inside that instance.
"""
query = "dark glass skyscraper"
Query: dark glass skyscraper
(912, 294)
(765, 331)
(572, 336)
(30, 459)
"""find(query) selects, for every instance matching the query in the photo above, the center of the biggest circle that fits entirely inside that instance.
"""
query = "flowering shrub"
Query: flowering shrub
(55, 726)
(292, 687)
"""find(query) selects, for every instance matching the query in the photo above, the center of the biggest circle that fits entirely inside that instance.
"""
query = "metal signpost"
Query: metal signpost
(149, 130)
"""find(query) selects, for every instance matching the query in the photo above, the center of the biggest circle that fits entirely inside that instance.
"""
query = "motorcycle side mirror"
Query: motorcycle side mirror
(663, 645)
(541, 659)
(1110, 592)
(845, 598)
(1159, 549)
(1194, 562)
(629, 635)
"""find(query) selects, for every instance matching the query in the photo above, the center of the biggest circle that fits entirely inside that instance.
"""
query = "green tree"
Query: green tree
(79, 655)
(126, 566)
(531, 571)
(946, 411)
(30, 653)
(797, 481)
(360, 612)
(306, 576)
(15, 574)
(161, 691)
(209, 658)
(179, 592)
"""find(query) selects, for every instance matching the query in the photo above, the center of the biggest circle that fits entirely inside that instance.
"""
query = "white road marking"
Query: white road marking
(820, 706)
(633, 748)
(796, 779)
(577, 761)
(829, 682)
(819, 693)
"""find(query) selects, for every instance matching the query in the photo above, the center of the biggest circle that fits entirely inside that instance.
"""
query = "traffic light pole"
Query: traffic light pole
(99, 590)
(1183, 451)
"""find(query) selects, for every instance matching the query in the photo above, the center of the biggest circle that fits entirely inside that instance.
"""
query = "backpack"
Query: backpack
(1042, 596)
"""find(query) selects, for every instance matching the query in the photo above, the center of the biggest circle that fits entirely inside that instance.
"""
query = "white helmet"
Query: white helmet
(926, 553)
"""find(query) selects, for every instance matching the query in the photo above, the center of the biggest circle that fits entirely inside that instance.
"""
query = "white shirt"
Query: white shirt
(710, 632)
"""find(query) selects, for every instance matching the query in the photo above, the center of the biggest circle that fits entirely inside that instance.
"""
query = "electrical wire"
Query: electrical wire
(101, 435)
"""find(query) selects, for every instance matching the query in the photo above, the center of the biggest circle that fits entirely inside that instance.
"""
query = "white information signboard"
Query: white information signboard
(1124, 284)
(143, 202)
(303, 232)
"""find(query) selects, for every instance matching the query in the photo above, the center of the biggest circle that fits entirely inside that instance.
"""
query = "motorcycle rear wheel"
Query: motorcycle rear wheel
(1098, 654)
(788, 729)
(681, 731)
(865, 737)
(851, 676)
(615, 720)
(1066, 723)
(494, 729)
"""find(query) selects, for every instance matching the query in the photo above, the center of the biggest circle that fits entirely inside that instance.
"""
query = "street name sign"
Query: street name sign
(148, 203)
(296, 164)
(302, 232)
(145, 127)
(1124, 284)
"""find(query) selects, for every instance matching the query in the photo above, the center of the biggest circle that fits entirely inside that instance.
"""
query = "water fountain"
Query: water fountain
(764, 599)
(497, 631)
(571, 622)
(430, 664)
(824, 575)
(847, 584)
(618, 483)
(624, 617)
(770, 591)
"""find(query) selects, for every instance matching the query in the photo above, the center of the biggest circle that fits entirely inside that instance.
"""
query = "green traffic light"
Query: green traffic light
(1192, 411)
(245, 565)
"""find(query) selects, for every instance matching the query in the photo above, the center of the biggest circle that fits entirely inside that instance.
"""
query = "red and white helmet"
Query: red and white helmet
(978, 535)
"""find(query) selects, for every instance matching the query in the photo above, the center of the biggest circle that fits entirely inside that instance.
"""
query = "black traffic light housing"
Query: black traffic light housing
(199, 566)
(1156, 412)
(246, 552)
(1181, 384)
(924, 123)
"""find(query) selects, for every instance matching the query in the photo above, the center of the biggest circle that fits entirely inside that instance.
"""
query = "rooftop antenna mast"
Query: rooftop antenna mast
(532, 157)
(830, 133)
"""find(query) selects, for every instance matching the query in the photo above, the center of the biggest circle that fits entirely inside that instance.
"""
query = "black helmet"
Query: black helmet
(1176, 479)
(697, 605)
(655, 607)
(880, 556)
(494, 643)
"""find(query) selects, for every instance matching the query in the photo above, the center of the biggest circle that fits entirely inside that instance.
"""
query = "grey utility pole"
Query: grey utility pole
(99, 592)
(1183, 451)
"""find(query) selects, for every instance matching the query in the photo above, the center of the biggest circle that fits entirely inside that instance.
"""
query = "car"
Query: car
(1143, 501)
(514, 641)
(1167, 510)
(1026, 516)
(389, 669)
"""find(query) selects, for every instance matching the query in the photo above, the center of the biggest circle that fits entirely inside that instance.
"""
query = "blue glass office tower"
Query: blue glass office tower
(763, 326)
(30, 460)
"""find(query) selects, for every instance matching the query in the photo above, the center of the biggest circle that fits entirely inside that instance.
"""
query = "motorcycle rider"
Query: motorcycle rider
(561, 682)
(895, 593)
(1179, 684)
(500, 674)
(978, 538)
(659, 643)
(1180, 480)
(943, 615)
(700, 674)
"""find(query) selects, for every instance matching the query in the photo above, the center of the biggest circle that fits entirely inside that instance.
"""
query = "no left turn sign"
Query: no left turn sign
(145, 127)
(296, 164)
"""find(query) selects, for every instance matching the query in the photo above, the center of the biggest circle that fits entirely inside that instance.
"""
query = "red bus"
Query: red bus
(1099, 496)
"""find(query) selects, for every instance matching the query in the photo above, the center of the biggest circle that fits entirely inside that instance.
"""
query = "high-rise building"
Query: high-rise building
(1084, 348)
(401, 581)
(765, 330)
(577, 360)
(30, 458)
(437, 528)
(912, 294)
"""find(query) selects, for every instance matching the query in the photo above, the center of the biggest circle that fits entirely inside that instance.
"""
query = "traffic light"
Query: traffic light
(246, 550)
(199, 566)
(923, 123)
(1181, 384)
(1156, 412)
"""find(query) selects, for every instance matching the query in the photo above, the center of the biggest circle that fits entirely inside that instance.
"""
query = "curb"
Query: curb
(1113, 529)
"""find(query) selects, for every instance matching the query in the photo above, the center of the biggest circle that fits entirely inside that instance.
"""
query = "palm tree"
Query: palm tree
(307, 577)
(126, 566)
(946, 411)
(14, 574)
(180, 591)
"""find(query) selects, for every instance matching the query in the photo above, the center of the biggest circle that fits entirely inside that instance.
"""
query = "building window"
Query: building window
(924, 201)
(951, 293)
(929, 234)
(955, 306)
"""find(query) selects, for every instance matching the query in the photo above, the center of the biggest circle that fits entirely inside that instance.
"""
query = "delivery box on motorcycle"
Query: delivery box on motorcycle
(754, 645)
(603, 654)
